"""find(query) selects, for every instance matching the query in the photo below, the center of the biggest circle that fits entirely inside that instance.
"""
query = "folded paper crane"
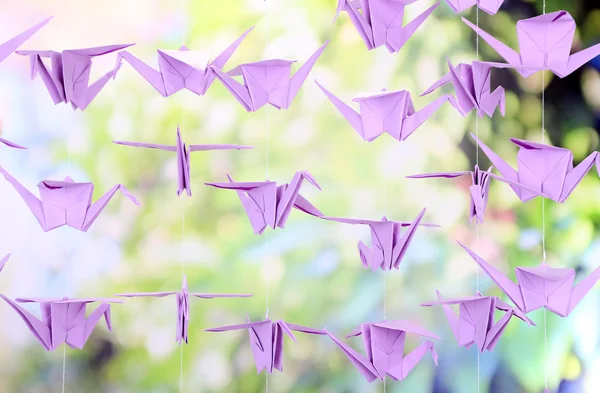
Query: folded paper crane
(391, 112)
(489, 6)
(472, 86)
(8, 47)
(180, 69)
(65, 202)
(268, 204)
(479, 189)
(475, 322)
(541, 286)
(389, 243)
(543, 170)
(63, 319)
(67, 76)
(380, 22)
(545, 42)
(267, 81)
(3, 261)
(384, 345)
(183, 157)
(11, 144)
(183, 305)
(266, 341)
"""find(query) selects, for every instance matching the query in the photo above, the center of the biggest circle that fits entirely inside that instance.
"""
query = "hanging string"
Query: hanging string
(477, 163)
(385, 275)
(266, 18)
(544, 218)
(183, 7)
(64, 374)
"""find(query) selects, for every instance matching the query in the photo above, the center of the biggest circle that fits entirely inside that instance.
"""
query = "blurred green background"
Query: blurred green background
(310, 272)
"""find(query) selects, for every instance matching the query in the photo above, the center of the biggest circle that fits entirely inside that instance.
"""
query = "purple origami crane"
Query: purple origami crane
(65, 202)
(11, 144)
(183, 305)
(479, 189)
(545, 42)
(475, 323)
(543, 170)
(268, 204)
(389, 243)
(183, 157)
(63, 319)
(8, 47)
(3, 261)
(267, 81)
(541, 286)
(472, 87)
(391, 112)
(384, 345)
(180, 69)
(380, 22)
(266, 341)
(68, 74)
(488, 6)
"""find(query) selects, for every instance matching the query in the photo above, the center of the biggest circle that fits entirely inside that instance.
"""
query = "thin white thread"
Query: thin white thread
(476, 218)
(385, 273)
(64, 374)
(544, 218)
(266, 178)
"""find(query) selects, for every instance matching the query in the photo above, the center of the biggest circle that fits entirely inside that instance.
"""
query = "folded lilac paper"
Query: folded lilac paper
(476, 322)
(381, 21)
(545, 42)
(8, 47)
(267, 81)
(180, 69)
(266, 340)
(183, 157)
(543, 170)
(541, 286)
(390, 112)
(65, 202)
(63, 320)
(183, 305)
(384, 346)
(489, 6)
(269, 204)
(389, 242)
(67, 75)
(479, 189)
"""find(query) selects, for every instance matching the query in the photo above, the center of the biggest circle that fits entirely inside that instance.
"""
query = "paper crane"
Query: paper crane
(545, 42)
(11, 144)
(391, 112)
(543, 170)
(380, 22)
(472, 87)
(183, 305)
(180, 69)
(266, 341)
(8, 47)
(541, 286)
(267, 81)
(475, 323)
(489, 6)
(389, 243)
(384, 345)
(65, 202)
(183, 157)
(3, 261)
(68, 75)
(268, 204)
(63, 319)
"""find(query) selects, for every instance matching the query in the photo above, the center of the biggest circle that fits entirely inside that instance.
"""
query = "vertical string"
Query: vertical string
(385, 273)
(183, 6)
(477, 163)
(64, 371)
(266, 18)
(544, 218)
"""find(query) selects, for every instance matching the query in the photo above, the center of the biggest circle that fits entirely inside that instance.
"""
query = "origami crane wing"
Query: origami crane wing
(360, 22)
(39, 329)
(34, 204)
(11, 144)
(353, 117)
(300, 76)
(3, 261)
(147, 294)
(147, 145)
(11, 45)
(359, 361)
(447, 175)
(580, 290)
(463, 326)
(402, 243)
(512, 290)
(52, 77)
(96, 208)
(219, 295)
(396, 35)
(287, 198)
